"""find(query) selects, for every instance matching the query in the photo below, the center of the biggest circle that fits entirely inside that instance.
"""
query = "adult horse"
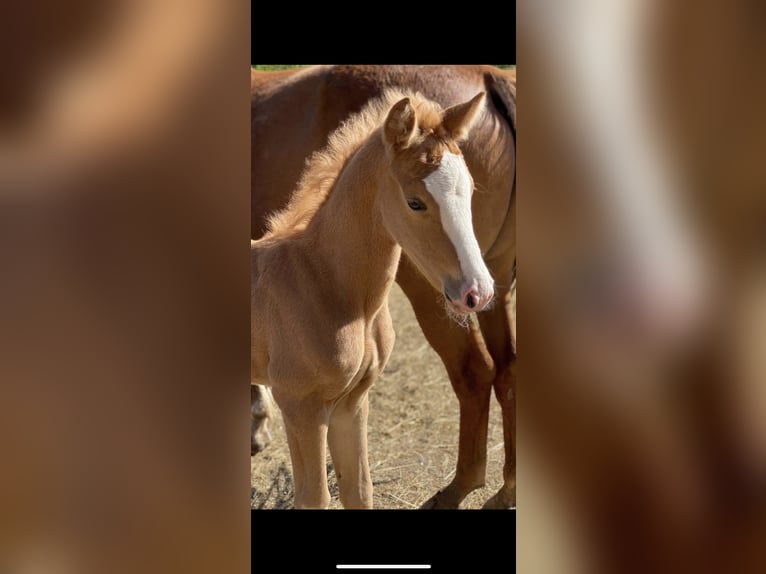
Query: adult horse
(292, 114)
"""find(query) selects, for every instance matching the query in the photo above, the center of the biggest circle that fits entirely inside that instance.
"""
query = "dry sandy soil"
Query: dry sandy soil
(413, 432)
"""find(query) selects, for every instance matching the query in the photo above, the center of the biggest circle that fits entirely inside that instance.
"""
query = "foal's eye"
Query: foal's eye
(415, 204)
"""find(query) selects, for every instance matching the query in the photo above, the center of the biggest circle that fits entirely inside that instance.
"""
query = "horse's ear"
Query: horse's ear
(459, 119)
(400, 125)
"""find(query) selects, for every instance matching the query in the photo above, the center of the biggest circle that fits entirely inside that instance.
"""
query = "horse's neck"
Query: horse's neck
(349, 240)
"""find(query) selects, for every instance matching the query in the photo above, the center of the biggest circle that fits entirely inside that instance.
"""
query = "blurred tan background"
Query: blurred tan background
(642, 218)
(124, 170)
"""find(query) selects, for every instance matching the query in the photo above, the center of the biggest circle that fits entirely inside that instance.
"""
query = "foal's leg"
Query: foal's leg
(471, 372)
(496, 328)
(347, 436)
(306, 424)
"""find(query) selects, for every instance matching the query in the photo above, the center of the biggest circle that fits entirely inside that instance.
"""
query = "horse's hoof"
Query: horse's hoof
(439, 502)
(501, 501)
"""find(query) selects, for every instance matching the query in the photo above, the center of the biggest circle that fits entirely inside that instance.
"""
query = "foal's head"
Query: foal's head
(427, 206)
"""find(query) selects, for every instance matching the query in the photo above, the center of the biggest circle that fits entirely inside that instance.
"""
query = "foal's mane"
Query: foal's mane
(324, 166)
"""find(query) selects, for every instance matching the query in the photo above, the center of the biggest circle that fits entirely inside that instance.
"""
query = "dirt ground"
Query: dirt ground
(413, 432)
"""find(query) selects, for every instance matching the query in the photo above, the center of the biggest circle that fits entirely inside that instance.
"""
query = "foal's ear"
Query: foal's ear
(460, 118)
(400, 125)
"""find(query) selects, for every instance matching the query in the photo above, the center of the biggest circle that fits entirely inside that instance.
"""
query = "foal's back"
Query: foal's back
(279, 316)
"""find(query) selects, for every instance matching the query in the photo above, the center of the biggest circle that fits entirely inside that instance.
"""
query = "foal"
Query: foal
(391, 178)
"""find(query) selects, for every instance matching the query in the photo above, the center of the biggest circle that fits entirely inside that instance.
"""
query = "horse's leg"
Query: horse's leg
(261, 412)
(306, 425)
(347, 436)
(496, 328)
(471, 372)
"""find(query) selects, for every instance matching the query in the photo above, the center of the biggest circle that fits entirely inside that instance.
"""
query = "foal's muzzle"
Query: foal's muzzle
(470, 297)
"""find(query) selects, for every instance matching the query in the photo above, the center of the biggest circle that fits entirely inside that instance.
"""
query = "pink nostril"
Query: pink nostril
(471, 299)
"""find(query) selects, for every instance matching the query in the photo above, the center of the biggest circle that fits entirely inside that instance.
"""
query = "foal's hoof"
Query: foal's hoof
(501, 501)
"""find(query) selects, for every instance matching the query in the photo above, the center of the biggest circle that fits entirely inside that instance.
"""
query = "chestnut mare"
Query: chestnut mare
(392, 178)
(293, 112)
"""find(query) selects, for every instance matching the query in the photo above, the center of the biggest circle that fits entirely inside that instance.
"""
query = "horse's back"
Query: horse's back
(294, 111)
(263, 83)
(285, 113)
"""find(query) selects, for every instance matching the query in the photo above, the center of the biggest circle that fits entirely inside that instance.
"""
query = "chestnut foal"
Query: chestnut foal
(392, 178)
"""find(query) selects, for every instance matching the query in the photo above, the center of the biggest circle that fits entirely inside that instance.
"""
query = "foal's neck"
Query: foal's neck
(352, 247)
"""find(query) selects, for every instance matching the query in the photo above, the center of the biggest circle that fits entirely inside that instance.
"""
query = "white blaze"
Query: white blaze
(451, 187)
